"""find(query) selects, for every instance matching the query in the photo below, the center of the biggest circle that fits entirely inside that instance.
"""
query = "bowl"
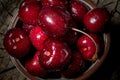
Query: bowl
(84, 75)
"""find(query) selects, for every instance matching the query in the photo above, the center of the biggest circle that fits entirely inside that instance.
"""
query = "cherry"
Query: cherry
(76, 66)
(33, 66)
(71, 36)
(28, 12)
(55, 21)
(26, 2)
(17, 43)
(78, 10)
(96, 19)
(49, 44)
(37, 36)
(55, 55)
(62, 3)
(27, 27)
(88, 48)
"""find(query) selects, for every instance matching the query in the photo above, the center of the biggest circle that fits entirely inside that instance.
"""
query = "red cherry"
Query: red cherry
(27, 27)
(76, 66)
(71, 36)
(17, 43)
(78, 10)
(96, 19)
(88, 48)
(62, 3)
(55, 21)
(28, 13)
(55, 55)
(33, 66)
(26, 2)
(37, 36)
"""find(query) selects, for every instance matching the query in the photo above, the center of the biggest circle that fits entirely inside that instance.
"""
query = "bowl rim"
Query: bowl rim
(92, 69)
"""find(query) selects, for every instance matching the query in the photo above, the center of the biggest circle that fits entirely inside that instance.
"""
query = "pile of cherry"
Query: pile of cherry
(57, 37)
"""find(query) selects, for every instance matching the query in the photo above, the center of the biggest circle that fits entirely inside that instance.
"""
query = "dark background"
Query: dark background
(110, 69)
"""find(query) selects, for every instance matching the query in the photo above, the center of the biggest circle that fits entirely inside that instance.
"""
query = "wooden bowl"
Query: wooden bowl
(83, 76)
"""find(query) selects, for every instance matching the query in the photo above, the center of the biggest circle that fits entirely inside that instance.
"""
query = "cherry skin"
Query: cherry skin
(62, 3)
(88, 48)
(17, 43)
(55, 21)
(27, 27)
(71, 36)
(28, 12)
(37, 37)
(76, 66)
(27, 2)
(96, 19)
(78, 10)
(33, 66)
(55, 55)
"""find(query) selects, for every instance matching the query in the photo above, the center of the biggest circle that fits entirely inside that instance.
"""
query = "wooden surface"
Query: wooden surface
(110, 70)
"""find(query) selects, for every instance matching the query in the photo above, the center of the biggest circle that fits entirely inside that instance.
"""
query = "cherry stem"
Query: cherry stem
(88, 36)
(5, 8)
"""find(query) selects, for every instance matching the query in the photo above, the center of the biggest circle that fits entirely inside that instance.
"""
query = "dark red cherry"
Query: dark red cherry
(96, 19)
(27, 27)
(78, 10)
(17, 43)
(33, 66)
(76, 66)
(26, 2)
(55, 55)
(87, 46)
(28, 12)
(62, 3)
(71, 36)
(55, 21)
(37, 37)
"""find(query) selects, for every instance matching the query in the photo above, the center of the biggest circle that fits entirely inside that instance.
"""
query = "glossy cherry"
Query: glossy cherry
(33, 66)
(62, 3)
(55, 55)
(78, 10)
(37, 37)
(76, 66)
(71, 36)
(17, 43)
(27, 27)
(96, 19)
(88, 48)
(28, 12)
(55, 20)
